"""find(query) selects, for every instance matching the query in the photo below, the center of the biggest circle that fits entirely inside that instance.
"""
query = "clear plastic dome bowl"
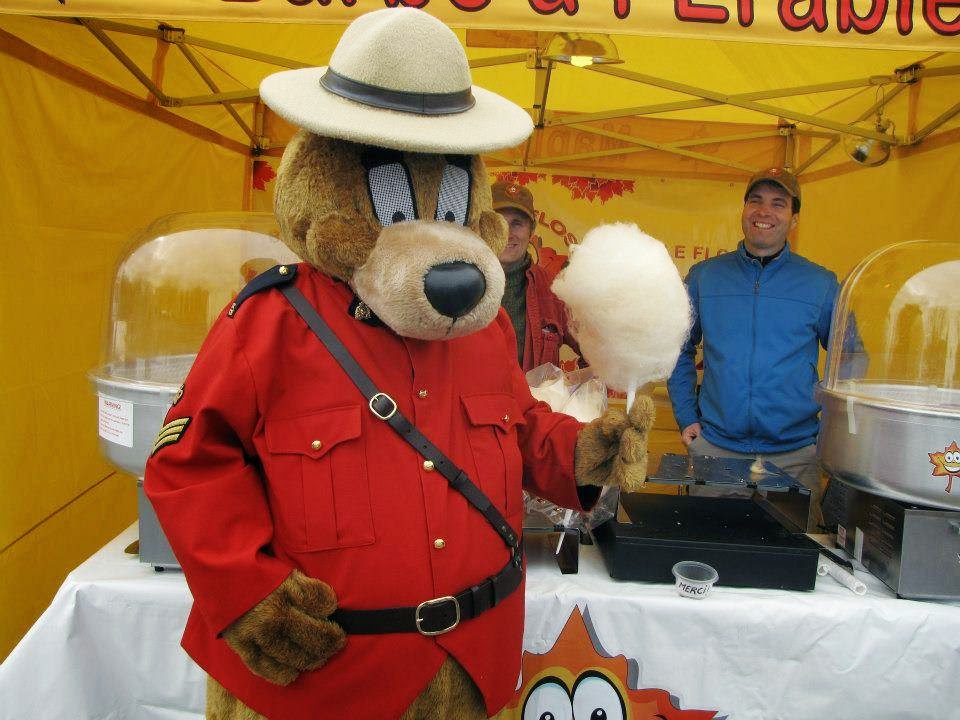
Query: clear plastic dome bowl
(171, 284)
(891, 390)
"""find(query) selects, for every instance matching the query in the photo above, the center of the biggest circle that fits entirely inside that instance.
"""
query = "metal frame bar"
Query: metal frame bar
(745, 104)
(702, 103)
(192, 59)
(125, 60)
(644, 144)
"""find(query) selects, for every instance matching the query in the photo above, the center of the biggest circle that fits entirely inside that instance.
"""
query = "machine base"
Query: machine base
(745, 544)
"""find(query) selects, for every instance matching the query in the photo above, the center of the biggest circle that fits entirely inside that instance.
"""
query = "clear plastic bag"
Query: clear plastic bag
(584, 397)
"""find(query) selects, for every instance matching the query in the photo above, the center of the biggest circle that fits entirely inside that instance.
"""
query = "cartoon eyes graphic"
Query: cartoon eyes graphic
(593, 698)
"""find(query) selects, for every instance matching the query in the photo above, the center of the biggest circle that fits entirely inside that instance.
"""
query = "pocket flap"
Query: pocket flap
(497, 409)
(314, 434)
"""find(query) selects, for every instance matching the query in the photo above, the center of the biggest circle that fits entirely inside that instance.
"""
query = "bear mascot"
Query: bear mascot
(341, 477)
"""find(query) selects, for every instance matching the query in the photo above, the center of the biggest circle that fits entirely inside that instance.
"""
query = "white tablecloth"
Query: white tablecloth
(108, 645)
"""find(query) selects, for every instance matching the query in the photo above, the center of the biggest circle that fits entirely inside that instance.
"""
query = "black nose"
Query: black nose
(454, 288)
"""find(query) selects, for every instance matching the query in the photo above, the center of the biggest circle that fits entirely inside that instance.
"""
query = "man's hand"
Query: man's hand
(689, 433)
(612, 450)
(287, 632)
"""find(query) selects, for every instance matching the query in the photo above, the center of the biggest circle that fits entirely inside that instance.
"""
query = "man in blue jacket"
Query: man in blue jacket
(761, 313)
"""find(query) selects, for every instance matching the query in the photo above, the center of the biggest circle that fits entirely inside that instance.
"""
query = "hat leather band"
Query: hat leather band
(404, 101)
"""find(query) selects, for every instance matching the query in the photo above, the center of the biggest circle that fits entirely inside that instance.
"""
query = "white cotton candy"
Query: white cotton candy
(628, 307)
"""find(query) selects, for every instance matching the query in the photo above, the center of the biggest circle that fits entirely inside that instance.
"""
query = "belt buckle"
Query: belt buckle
(374, 410)
(430, 603)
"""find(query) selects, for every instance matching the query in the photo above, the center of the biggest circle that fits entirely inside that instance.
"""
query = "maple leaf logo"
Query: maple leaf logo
(592, 188)
(578, 678)
(946, 464)
(262, 174)
(519, 178)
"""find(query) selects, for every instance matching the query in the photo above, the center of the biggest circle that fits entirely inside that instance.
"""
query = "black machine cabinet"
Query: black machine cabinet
(745, 544)
(753, 539)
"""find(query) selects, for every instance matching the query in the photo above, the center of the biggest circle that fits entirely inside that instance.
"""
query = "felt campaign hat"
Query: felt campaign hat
(398, 78)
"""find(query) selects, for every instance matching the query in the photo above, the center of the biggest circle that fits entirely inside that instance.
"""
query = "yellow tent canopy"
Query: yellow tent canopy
(116, 112)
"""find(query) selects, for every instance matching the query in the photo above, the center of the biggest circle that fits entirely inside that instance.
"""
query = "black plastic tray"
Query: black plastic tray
(745, 544)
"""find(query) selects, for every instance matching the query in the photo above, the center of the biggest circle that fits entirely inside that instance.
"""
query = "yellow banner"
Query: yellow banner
(891, 24)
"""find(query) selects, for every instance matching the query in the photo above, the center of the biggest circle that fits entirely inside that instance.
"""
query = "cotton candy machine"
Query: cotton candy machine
(890, 422)
(169, 287)
(891, 390)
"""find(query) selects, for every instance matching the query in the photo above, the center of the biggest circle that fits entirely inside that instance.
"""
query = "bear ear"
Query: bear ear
(493, 229)
(322, 204)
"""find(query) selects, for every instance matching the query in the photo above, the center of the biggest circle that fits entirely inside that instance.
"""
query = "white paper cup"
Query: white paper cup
(694, 579)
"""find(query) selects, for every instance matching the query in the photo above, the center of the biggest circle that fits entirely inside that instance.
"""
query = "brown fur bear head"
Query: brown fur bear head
(413, 234)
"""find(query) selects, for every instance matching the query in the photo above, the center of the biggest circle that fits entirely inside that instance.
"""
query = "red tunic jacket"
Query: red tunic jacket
(546, 322)
(246, 495)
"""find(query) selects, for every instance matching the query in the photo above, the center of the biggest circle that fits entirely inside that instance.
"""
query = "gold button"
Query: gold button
(439, 543)
(506, 418)
(422, 394)
(283, 270)
(428, 465)
(316, 444)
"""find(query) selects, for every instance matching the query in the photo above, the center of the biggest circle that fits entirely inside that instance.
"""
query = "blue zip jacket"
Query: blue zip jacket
(760, 328)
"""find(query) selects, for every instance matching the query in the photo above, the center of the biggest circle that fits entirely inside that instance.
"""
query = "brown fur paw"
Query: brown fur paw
(612, 450)
(287, 632)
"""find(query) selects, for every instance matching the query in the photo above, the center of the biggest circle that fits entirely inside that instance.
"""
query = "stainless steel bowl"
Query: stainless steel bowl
(147, 387)
(890, 440)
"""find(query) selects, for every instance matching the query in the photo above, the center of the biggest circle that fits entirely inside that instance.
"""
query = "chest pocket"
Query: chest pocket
(317, 480)
(493, 420)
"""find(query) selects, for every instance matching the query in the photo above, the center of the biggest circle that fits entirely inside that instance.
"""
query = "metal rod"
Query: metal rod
(125, 60)
(542, 88)
(860, 118)
(201, 71)
(696, 104)
(933, 125)
(746, 104)
(656, 146)
(498, 60)
(249, 96)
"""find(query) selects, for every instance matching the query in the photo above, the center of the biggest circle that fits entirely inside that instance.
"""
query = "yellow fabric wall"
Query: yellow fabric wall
(79, 176)
(844, 218)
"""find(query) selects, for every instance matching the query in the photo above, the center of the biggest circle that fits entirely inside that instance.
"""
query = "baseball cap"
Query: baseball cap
(784, 178)
(513, 195)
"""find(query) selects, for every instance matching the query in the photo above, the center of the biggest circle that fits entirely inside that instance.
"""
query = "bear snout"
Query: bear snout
(454, 288)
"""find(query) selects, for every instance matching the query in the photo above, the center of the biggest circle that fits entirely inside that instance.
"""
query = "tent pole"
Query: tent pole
(948, 115)
(124, 60)
(696, 104)
(192, 59)
(23, 51)
(198, 42)
(645, 144)
(745, 104)
(498, 60)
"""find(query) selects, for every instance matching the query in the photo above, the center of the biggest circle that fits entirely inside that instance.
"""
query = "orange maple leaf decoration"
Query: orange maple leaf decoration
(262, 174)
(567, 671)
(520, 178)
(591, 188)
(947, 464)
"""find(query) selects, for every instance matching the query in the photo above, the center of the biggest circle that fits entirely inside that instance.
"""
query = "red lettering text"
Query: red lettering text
(679, 251)
(470, 5)
(904, 16)
(548, 7)
(848, 18)
(815, 16)
(931, 13)
(745, 13)
(689, 11)
(621, 8)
